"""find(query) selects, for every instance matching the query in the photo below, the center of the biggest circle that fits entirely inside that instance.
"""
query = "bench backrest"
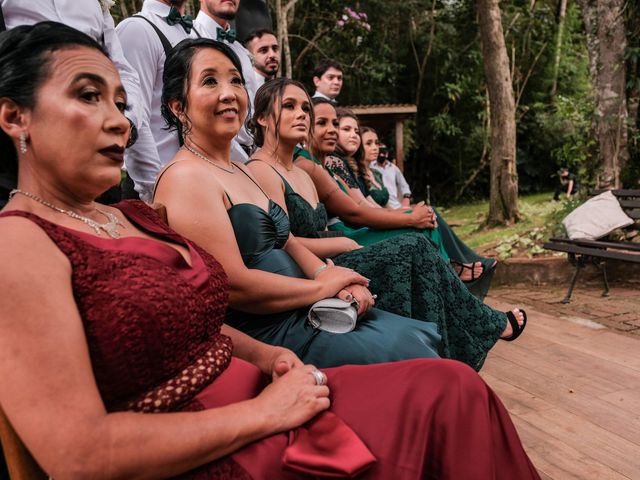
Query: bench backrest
(629, 200)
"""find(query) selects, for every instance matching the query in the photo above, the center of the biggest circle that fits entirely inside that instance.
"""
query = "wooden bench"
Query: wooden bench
(597, 252)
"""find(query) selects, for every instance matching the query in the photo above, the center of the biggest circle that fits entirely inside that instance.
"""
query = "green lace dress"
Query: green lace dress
(447, 243)
(379, 195)
(412, 280)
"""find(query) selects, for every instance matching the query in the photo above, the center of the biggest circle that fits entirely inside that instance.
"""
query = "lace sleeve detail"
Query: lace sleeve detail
(338, 167)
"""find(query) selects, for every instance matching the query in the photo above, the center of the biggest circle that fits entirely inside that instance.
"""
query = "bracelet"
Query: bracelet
(320, 270)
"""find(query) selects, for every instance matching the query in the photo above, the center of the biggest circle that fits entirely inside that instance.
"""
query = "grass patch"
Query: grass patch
(541, 220)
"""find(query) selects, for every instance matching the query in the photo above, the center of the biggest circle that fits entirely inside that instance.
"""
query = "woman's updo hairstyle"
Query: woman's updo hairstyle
(177, 69)
(267, 96)
(25, 60)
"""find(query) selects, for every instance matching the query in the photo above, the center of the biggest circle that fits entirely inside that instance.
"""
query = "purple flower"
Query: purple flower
(340, 23)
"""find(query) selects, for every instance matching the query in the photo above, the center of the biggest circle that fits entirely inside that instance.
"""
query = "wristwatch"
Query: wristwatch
(133, 134)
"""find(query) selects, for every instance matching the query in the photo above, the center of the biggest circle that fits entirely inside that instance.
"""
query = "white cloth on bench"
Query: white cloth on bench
(595, 218)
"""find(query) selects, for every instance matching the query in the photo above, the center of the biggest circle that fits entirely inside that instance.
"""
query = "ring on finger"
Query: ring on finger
(320, 377)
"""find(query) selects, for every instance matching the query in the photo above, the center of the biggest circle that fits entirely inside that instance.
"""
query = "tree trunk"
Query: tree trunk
(606, 44)
(503, 206)
(283, 16)
(562, 11)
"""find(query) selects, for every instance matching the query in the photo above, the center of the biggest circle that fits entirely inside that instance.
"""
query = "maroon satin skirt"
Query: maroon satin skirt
(420, 418)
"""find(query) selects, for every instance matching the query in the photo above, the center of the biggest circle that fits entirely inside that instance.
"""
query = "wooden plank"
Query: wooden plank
(593, 252)
(595, 442)
(627, 400)
(575, 395)
(556, 460)
(517, 400)
(597, 243)
(604, 345)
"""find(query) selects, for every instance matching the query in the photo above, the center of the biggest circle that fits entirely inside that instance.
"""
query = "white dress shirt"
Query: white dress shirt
(208, 28)
(88, 17)
(260, 79)
(144, 51)
(394, 182)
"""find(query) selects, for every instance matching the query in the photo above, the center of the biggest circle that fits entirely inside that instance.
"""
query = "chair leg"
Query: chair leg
(603, 266)
(567, 299)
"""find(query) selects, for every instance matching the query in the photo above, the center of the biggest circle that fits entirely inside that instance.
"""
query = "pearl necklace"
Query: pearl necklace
(110, 227)
(199, 155)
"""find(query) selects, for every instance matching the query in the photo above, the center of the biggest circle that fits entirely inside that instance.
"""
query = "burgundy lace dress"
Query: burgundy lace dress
(152, 324)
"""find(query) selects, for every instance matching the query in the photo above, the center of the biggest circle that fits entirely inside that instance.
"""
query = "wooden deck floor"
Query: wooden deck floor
(574, 394)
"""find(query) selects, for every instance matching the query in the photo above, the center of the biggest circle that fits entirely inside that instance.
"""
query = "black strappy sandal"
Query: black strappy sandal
(515, 326)
(459, 268)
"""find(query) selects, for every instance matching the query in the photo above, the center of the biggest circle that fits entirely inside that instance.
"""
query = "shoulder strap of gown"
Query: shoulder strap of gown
(287, 186)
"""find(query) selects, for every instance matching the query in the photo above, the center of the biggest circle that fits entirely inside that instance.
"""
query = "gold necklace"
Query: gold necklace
(278, 161)
(199, 155)
(110, 227)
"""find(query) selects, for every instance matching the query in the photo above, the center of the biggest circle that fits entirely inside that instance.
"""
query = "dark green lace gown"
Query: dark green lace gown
(379, 195)
(412, 280)
(447, 243)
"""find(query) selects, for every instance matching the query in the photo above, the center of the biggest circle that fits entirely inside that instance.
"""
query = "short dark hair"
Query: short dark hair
(176, 77)
(257, 33)
(321, 100)
(25, 56)
(325, 64)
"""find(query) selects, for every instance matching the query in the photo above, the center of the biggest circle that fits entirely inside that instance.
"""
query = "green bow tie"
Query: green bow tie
(228, 35)
(174, 17)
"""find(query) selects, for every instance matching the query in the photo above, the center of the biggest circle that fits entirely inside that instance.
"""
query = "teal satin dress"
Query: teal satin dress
(379, 336)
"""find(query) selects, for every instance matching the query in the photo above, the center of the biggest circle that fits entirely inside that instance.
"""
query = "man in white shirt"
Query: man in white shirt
(145, 51)
(265, 51)
(327, 77)
(212, 22)
(394, 181)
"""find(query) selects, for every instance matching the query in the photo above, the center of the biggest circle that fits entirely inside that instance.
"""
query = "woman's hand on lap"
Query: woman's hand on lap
(279, 360)
(363, 296)
(293, 398)
(335, 278)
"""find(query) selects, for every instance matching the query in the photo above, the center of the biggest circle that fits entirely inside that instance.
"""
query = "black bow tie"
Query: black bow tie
(228, 35)
(174, 17)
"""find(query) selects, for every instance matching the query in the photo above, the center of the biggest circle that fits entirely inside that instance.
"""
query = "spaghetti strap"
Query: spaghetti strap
(287, 186)
(167, 168)
(250, 178)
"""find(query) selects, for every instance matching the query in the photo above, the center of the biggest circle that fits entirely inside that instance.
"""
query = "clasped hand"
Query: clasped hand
(293, 397)
(425, 215)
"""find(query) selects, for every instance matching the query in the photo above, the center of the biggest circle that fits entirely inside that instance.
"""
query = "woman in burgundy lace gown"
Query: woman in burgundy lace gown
(111, 333)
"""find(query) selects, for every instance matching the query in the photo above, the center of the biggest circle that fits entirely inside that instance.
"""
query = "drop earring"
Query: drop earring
(23, 143)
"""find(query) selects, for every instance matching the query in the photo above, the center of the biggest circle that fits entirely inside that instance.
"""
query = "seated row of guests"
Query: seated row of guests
(123, 367)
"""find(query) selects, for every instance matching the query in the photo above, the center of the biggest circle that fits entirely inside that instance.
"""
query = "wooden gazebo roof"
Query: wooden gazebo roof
(386, 117)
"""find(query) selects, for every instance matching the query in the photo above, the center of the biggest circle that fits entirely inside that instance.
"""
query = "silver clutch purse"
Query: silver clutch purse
(333, 315)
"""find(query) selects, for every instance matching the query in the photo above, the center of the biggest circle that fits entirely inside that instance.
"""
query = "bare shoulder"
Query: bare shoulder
(305, 164)
(188, 174)
(264, 173)
(27, 253)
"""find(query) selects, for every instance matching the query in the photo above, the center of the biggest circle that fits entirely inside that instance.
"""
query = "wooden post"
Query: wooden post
(399, 145)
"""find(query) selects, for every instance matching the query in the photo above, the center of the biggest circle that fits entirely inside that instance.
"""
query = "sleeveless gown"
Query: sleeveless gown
(411, 280)
(447, 243)
(152, 324)
(378, 337)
